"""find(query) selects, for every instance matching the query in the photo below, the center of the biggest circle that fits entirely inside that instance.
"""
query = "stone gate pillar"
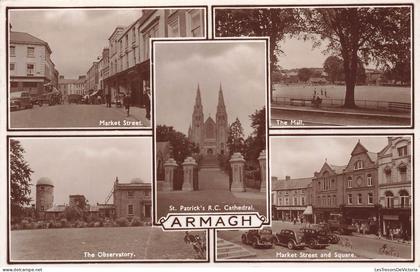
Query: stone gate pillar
(237, 163)
(262, 160)
(169, 166)
(188, 166)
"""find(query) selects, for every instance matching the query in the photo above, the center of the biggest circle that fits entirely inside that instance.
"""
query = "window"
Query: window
(358, 165)
(151, 33)
(369, 180)
(359, 199)
(286, 200)
(303, 201)
(319, 200)
(130, 209)
(349, 182)
(194, 23)
(403, 173)
(280, 201)
(30, 69)
(295, 201)
(402, 151)
(329, 200)
(404, 199)
(349, 199)
(173, 28)
(334, 200)
(133, 31)
(130, 194)
(31, 52)
(389, 199)
(12, 66)
(126, 41)
(12, 51)
(388, 175)
(370, 198)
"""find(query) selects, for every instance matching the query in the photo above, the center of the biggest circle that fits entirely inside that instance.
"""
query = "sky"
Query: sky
(298, 53)
(88, 165)
(76, 37)
(300, 157)
(180, 67)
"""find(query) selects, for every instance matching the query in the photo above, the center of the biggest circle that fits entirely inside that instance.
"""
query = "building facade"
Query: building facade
(92, 78)
(395, 183)
(71, 86)
(210, 136)
(103, 69)
(132, 199)
(30, 64)
(129, 66)
(292, 199)
(328, 192)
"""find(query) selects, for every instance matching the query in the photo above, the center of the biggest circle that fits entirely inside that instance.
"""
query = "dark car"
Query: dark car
(261, 238)
(340, 227)
(313, 239)
(291, 239)
(331, 237)
(20, 100)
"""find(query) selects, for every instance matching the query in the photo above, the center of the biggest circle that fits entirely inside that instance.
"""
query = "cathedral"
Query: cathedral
(210, 136)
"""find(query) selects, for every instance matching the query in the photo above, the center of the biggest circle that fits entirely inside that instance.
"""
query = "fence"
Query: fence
(332, 102)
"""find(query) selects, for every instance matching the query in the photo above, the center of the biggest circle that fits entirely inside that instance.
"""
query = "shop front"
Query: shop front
(396, 223)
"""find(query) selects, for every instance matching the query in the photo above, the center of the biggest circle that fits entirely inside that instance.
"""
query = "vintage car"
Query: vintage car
(323, 230)
(259, 238)
(313, 239)
(20, 100)
(290, 238)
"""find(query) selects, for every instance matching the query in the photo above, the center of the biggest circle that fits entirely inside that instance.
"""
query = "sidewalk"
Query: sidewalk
(136, 114)
(375, 237)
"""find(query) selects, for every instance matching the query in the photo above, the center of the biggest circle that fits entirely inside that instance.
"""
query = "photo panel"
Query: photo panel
(88, 199)
(317, 79)
(74, 70)
(346, 198)
(211, 145)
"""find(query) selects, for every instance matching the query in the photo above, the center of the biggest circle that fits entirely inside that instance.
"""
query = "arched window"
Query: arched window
(389, 199)
(358, 165)
(404, 199)
(388, 174)
(349, 182)
(403, 172)
(359, 199)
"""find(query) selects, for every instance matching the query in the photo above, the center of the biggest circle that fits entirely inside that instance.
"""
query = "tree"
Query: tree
(262, 22)
(181, 146)
(374, 34)
(304, 74)
(235, 139)
(256, 142)
(333, 66)
(20, 179)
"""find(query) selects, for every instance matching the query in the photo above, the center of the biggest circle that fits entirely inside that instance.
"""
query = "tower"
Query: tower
(221, 124)
(44, 195)
(197, 124)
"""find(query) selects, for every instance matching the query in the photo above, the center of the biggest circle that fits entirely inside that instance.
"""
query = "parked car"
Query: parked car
(324, 230)
(314, 239)
(260, 238)
(20, 100)
(291, 239)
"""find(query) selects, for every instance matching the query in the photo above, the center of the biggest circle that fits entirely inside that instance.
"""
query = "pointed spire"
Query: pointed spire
(221, 102)
(198, 96)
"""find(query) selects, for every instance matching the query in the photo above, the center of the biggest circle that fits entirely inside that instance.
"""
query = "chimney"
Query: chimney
(287, 177)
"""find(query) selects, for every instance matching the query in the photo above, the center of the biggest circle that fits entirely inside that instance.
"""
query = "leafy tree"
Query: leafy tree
(304, 74)
(73, 213)
(235, 140)
(20, 179)
(333, 66)
(255, 143)
(364, 33)
(262, 22)
(181, 146)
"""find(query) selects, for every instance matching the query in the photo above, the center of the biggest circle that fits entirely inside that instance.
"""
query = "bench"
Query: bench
(399, 106)
(299, 101)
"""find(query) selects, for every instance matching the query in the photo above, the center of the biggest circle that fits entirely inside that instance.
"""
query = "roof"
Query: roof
(373, 156)
(45, 181)
(26, 38)
(290, 184)
(338, 169)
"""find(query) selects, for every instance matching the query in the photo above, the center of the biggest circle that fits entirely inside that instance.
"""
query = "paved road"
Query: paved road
(74, 116)
(362, 247)
(279, 117)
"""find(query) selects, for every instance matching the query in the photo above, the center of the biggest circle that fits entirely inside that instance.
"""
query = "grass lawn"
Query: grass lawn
(205, 198)
(377, 93)
(146, 243)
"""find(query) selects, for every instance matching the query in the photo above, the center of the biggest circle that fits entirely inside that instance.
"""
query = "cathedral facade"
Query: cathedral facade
(211, 136)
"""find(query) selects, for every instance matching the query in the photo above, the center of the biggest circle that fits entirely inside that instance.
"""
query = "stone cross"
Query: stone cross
(262, 160)
(170, 166)
(188, 165)
(237, 163)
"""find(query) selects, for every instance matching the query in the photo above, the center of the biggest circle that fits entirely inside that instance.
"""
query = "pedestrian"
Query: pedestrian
(108, 100)
(126, 102)
(147, 102)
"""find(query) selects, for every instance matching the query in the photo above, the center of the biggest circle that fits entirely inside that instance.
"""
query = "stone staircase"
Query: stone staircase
(228, 250)
(210, 176)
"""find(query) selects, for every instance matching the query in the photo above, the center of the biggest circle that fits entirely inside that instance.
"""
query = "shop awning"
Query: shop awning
(308, 211)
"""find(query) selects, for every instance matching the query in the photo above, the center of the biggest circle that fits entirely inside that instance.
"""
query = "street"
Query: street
(362, 247)
(77, 116)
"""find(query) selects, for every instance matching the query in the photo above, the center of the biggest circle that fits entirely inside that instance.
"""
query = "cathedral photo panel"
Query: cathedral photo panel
(211, 128)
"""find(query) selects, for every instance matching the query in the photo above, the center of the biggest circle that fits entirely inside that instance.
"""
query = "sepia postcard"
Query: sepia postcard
(210, 143)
